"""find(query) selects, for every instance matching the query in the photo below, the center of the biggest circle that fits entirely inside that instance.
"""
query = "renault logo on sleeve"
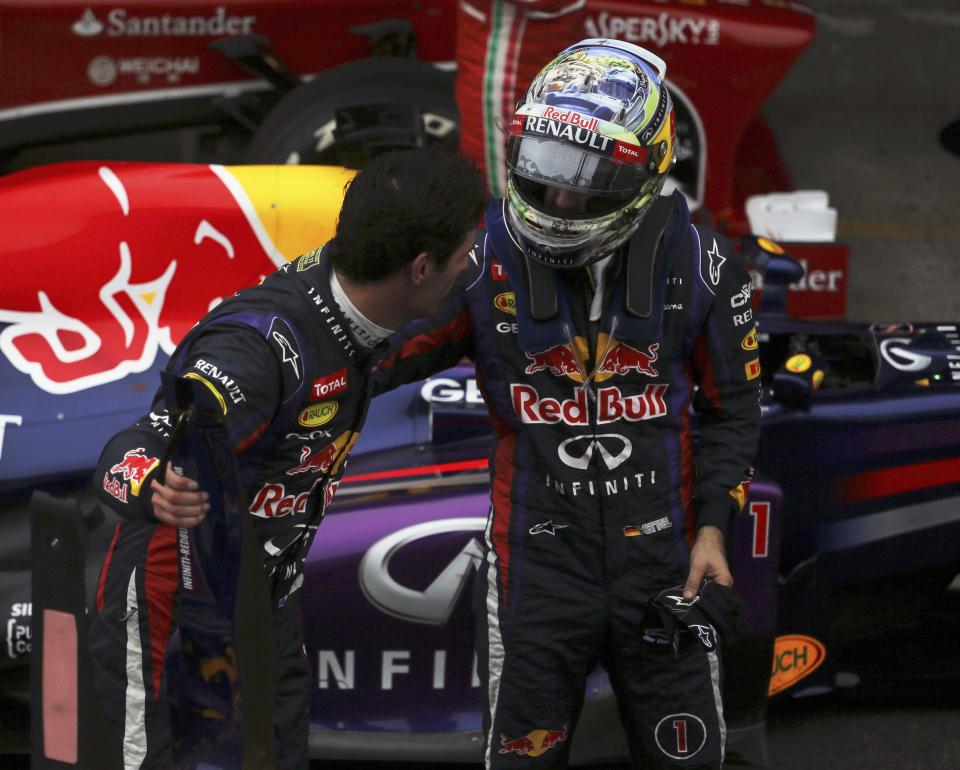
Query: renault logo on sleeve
(613, 448)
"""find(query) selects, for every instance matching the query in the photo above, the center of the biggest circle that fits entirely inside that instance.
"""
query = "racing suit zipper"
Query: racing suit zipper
(594, 426)
(592, 396)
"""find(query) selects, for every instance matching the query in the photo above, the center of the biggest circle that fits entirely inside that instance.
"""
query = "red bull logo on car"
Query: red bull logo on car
(113, 264)
(134, 468)
(534, 743)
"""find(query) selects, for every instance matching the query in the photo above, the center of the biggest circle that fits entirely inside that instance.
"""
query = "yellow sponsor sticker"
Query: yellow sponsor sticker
(752, 369)
(318, 414)
(750, 341)
(799, 363)
(210, 386)
(794, 657)
(767, 245)
(507, 302)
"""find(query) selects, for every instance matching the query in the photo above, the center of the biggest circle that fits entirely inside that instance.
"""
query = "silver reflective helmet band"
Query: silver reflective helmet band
(621, 45)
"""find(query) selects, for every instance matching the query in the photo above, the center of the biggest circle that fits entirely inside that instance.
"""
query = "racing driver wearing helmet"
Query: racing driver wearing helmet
(597, 315)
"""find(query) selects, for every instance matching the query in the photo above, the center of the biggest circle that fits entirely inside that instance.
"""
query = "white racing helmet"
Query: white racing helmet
(589, 150)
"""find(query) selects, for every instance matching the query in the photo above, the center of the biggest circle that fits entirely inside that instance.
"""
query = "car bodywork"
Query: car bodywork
(106, 266)
(206, 81)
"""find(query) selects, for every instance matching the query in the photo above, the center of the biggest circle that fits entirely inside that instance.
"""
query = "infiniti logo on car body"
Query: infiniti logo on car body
(434, 604)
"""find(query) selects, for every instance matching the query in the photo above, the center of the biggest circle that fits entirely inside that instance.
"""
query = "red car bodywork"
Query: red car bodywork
(724, 58)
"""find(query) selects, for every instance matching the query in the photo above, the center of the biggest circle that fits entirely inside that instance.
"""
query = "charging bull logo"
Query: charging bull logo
(621, 358)
(559, 360)
(135, 467)
(133, 273)
(324, 459)
(534, 743)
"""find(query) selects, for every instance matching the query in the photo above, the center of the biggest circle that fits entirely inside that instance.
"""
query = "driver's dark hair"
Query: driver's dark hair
(404, 203)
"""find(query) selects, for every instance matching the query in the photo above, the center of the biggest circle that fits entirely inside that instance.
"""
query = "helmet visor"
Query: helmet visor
(564, 180)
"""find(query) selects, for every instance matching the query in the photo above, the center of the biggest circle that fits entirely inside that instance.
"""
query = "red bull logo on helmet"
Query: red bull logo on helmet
(622, 358)
(134, 468)
(534, 743)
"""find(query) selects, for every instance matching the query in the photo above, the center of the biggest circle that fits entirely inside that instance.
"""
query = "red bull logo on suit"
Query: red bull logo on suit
(612, 405)
(558, 360)
(621, 359)
(534, 743)
(134, 468)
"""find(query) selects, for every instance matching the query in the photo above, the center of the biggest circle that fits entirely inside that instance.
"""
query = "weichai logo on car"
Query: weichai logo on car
(794, 657)
(612, 405)
(507, 302)
(318, 414)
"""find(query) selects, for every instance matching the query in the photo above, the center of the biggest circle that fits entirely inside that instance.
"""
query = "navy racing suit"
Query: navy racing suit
(598, 488)
(293, 388)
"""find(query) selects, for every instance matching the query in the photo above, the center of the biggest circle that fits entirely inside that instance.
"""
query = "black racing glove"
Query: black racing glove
(714, 612)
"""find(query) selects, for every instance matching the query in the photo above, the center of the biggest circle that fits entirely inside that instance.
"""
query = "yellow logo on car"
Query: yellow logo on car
(799, 363)
(794, 657)
(767, 245)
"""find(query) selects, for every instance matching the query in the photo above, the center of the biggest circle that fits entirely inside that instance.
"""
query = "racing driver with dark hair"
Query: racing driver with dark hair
(597, 315)
(287, 363)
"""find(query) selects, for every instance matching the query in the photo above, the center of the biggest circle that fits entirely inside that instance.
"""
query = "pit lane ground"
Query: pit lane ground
(910, 721)
(868, 728)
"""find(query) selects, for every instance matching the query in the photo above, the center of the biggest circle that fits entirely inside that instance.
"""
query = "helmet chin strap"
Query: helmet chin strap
(542, 283)
(643, 254)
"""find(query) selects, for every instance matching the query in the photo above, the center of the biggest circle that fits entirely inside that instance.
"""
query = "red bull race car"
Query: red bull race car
(853, 518)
